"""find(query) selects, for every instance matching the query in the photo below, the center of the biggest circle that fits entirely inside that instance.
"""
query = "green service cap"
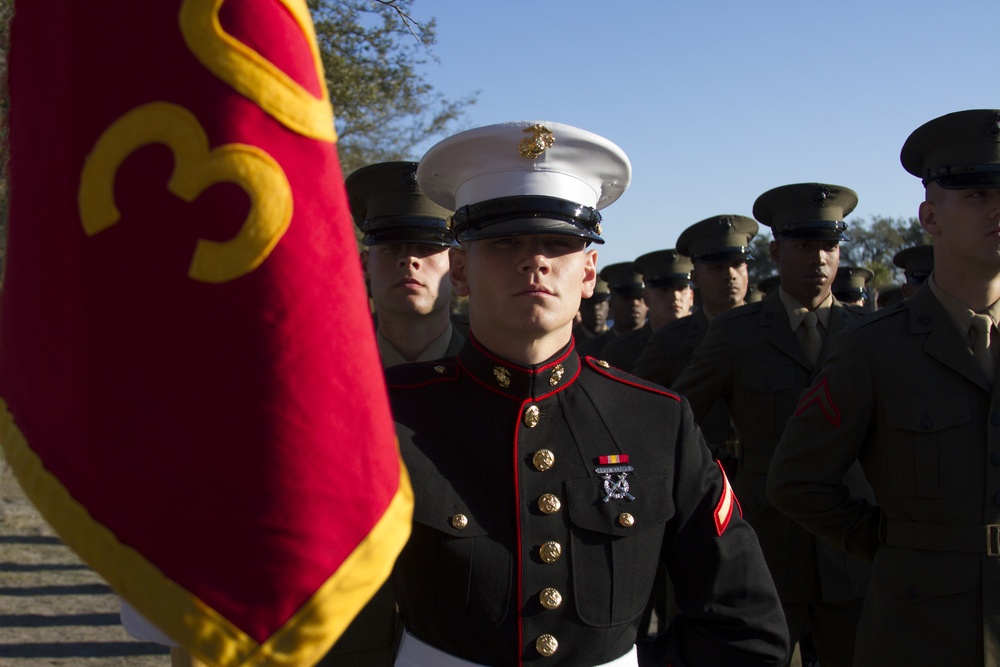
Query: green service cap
(958, 150)
(388, 207)
(806, 210)
(850, 281)
(622, 278)
(889, 297)
(664, 268)
(917, 262)
(721, 238)
(601, 291)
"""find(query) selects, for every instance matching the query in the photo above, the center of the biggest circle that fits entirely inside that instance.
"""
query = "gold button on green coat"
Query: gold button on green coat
(626, 519)
(460, 521)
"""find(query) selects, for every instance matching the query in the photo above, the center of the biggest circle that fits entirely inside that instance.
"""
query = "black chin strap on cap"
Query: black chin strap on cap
(831, 230)
(964, 177)
(407, 229)
(475, 220)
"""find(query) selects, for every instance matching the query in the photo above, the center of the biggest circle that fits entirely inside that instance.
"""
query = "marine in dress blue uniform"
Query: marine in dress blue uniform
(548, 488)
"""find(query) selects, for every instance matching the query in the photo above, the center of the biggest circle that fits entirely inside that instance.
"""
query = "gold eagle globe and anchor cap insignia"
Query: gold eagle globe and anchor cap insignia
(806, 211)
(525, 177)
(532, 147)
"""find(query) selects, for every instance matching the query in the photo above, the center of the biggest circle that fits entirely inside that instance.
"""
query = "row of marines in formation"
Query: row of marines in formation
(562, 502)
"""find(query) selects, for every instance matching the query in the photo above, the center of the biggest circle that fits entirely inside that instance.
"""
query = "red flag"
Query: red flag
(191, 391)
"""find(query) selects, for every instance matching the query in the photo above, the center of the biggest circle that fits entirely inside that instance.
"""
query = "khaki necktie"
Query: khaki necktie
(981, 325)
(812, 342)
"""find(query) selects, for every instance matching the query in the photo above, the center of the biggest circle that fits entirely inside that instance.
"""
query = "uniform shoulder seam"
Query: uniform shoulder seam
(620, 376)
(421, 374)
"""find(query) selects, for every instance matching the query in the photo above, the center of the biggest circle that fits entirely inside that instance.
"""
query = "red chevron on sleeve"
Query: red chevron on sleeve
(727, 504)
(820, 395)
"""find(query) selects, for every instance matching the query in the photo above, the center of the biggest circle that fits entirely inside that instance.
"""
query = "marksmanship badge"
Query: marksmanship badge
(614, 476)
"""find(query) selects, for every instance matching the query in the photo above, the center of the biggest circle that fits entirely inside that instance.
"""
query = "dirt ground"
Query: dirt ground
(54, 610)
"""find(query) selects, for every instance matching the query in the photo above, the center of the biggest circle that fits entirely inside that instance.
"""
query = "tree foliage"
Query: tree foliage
(372, 52)
(872, 245)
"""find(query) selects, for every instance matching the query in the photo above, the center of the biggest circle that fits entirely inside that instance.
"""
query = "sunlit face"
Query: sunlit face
(965, 225)
(524, 287)
(627, 310)
(723, 285)
(408, 279)
(668, 303)
(806, 266)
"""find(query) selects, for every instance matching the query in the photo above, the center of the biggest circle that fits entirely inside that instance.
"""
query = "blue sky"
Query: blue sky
(717, 101)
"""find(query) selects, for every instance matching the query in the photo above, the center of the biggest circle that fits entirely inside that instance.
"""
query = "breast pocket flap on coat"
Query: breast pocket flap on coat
(444, 509)
(768, 379)
(925, 414)
(921, 575)
(652, 505)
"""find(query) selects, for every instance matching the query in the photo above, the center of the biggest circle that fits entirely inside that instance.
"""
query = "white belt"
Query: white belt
(415, 653)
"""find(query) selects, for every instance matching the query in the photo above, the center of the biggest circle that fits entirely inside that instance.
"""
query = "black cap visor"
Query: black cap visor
(817, 230)
(725, 256)
(514, 216)
(967, 177)
(413, 229)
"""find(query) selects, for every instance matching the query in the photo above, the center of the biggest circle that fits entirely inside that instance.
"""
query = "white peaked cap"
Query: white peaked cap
(488, 163)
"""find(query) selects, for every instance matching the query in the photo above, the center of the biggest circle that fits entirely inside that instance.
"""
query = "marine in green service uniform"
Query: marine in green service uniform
(669, 296)
(758, 358)
(911, 393)
(627, 309)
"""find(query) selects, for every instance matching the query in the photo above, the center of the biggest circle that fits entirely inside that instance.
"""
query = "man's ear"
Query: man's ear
(775, 249)
(694, 277)
(364, 263)
(457, 271)
(589, 274)
(927, 214)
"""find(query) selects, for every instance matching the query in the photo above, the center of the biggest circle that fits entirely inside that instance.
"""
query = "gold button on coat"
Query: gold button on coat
(550, 598)
(547, 645)
(626, 519)
(548, 503)
(543, 459)
(460, 521)
(531, 416)
(550, 552)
